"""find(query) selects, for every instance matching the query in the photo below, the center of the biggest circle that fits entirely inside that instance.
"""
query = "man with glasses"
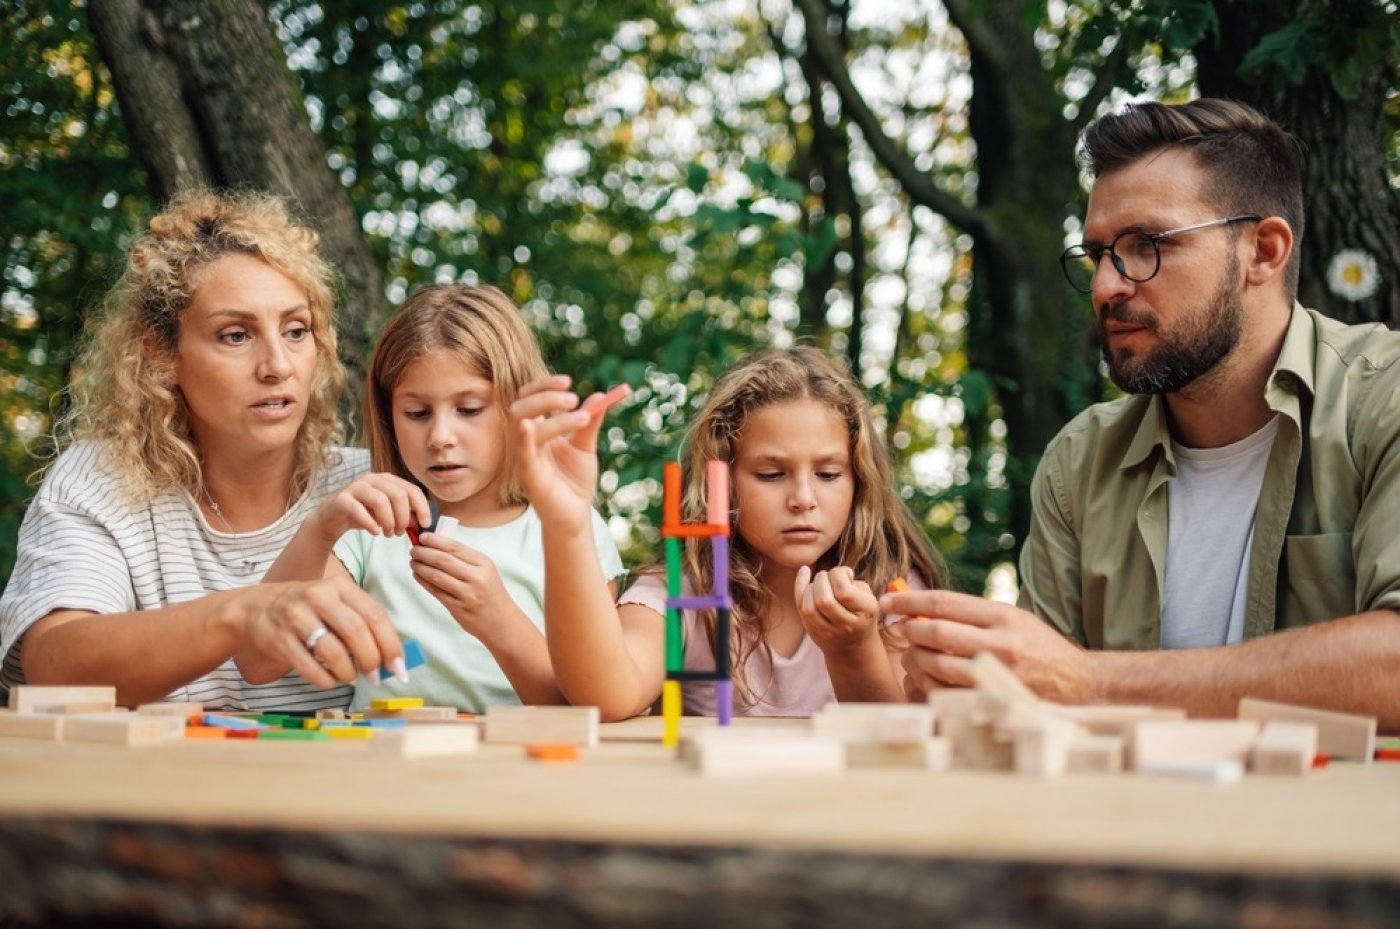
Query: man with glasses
(1231, 527)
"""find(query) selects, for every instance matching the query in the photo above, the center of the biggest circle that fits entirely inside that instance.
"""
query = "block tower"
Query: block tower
(716, 529)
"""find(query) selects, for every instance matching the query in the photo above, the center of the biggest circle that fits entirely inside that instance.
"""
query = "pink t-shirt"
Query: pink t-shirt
(797, 685)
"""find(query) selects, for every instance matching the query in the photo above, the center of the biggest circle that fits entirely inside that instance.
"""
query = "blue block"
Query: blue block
(412, 658)
(224, 721)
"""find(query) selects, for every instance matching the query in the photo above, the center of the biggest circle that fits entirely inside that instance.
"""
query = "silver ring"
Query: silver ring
(314, 637)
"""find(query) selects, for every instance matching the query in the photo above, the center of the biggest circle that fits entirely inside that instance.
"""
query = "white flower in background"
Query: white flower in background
(1353, 274)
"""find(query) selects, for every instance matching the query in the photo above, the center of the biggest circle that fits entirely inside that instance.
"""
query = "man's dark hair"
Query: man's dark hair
(1250, 162)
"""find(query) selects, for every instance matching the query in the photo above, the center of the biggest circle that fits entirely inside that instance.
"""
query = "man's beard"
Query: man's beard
(1197, 344)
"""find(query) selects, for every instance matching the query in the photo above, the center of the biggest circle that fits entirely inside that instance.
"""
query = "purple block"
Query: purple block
(724, 702)
(719, 547)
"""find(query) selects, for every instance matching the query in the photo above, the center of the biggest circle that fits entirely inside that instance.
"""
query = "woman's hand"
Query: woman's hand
(282, 625)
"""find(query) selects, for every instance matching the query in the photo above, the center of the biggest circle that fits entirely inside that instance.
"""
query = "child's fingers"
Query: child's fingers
(550, 382)
(547, 430)
(544, 403)
(597, 404)
(800, 589)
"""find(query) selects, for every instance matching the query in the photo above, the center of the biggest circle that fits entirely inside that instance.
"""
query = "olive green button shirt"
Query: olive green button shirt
(1326, 529)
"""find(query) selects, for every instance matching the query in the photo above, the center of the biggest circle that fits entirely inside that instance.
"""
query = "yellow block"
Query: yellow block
(396, 703)
(348, 732)
(671, 713)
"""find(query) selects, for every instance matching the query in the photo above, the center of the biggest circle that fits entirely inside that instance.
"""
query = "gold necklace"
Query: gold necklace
(218, 511)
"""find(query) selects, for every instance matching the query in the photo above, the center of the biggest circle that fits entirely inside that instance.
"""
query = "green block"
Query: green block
(293, 735)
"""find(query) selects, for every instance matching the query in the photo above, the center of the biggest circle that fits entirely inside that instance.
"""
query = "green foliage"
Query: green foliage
(69, 190)
(1346, 39)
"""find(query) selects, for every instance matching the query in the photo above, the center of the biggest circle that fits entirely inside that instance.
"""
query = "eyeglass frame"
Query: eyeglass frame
(1096, 252)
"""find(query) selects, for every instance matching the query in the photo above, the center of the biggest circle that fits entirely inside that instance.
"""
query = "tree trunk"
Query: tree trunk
(1026, 327)
(1348, 199)
(207, 93)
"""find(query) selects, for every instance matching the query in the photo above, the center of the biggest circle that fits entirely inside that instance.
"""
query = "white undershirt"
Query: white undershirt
(1210, 508)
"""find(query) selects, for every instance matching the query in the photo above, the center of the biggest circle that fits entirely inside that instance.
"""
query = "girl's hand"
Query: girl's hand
(380, 503)
(839, 612)
(465, 581)
(557, 449)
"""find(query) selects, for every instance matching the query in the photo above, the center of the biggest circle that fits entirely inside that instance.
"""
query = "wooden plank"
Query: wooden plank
(427, 740)
(1159, 745)
(16, 725)
(32, 698)
(123, 728)
(1284, 748)
(1341, 735)
(524, 725)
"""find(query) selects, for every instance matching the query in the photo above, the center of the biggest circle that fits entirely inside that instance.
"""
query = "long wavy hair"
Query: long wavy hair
(123, 391)
(881, 541)
(479, 326)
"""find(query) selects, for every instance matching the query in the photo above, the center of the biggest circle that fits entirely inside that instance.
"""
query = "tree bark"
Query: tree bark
(1348, 199)
(207, 93)
(1027, 329)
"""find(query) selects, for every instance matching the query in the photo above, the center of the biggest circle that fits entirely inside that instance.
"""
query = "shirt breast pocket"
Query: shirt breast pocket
(1321, 579)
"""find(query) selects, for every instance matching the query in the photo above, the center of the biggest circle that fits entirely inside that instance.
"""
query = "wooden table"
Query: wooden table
(331, 834)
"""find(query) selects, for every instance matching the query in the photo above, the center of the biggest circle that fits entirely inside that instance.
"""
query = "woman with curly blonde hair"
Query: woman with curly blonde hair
(817, 527)
(201, 432)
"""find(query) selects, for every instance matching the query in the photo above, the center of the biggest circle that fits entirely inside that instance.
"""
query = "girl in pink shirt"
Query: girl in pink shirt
(818, 529)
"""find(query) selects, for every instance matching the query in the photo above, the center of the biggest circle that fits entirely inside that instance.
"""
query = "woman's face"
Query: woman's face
(246, 358)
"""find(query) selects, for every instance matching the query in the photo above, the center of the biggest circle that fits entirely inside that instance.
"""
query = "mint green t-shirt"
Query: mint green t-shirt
(460, 671)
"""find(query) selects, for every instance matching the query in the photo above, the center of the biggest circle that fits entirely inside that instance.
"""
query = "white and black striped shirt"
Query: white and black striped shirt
(82, 546)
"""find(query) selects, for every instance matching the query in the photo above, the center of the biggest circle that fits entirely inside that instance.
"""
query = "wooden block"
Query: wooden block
(416, 714)
(902, 723)
(183, 710)
(1114, 719)
(331, 714)
(427, 741)
(524, 725)
(726, 753)
(30, 698)
(1284, 748)
(552, 751)
(1096, 754)
(1042, 748)
(1341, 735)
(206, 732)
(335, 732)
(1221, 771)
(997, 682)
(15, 725)
(953, 704)
(931, 754)
(123, 728)
(395, 703)
(1160, 744)
(976, 746)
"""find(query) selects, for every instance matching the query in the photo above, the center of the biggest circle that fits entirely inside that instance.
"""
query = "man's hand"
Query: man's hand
(945, 629)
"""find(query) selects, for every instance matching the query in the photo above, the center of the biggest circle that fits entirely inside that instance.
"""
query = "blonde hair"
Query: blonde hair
(881, 541)
(123, 390)
(479, 326)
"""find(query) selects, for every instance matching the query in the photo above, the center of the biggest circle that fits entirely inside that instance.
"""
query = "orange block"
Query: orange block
(898, 586)
(206, 732)
(552, 751)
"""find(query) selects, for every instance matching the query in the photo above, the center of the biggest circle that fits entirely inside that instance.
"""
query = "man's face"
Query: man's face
(1160, 335)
